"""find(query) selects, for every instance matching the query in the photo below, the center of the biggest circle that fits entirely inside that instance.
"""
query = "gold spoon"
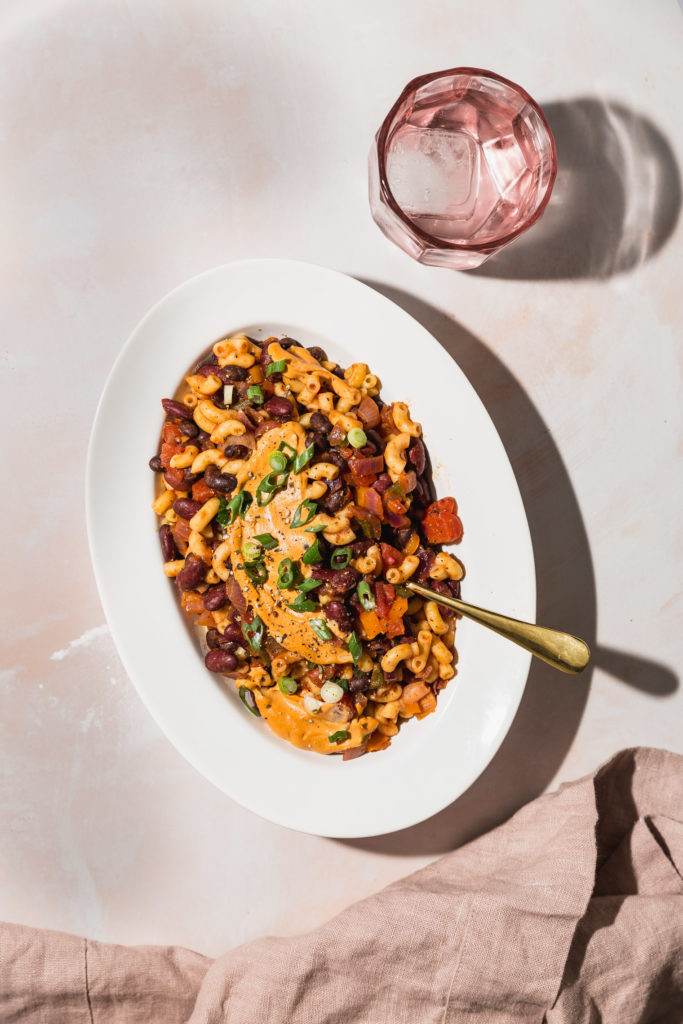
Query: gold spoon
(561, 650)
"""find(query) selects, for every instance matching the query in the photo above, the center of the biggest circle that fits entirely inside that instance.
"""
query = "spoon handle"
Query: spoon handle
(561, 650)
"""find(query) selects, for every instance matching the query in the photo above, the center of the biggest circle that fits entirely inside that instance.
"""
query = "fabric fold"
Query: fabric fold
(571, 911)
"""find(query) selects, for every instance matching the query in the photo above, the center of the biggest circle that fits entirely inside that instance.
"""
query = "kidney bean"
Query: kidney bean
(189, 479)
(175, 478)
(192, 575)
(279, 408)
(426, 558)
(336, 458)
(382, 483)
(155, 463)
(318, 442)
(225, 483)
(208, 369)
(186, 507)
(337, 371)
(189, 428)
(236, 451)
(265, 427)
(359, 684)
(455, 588)
(209, 360)
(416, 455)
(220, 660)
(441, 587)
(392, 677)
(335, 581)
(285, 343)
(334, 485)
(336, 611)
(168, 548)
(320, 423)
(318, 353)
(176, 410)
(359, 547)
(215, 598)
(378, 646)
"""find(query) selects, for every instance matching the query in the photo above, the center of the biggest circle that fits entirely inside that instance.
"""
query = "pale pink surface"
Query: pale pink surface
(143, 143)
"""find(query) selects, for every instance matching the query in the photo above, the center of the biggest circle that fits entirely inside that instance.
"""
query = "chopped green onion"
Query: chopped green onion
(249, 701)
(285, 574)
(265, 492)
(302, 460)
(286, 683)
(253, 633)
(309, 584)
(227, 393)
(355, 648)
(256, 572)
(302, 604)
(255, 394)
(278, 461)
(288, 449)
(313, 554)
(229, 510)
(318, 528)
(365, 596)
(310, 507)
(340, 558)
(357, 437)
(277, 367)
(266, 540)
(321, 629)
(251, 551)
(339, 736)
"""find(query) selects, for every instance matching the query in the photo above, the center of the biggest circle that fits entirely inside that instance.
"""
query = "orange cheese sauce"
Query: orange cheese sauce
(291, 629)
(289, 719)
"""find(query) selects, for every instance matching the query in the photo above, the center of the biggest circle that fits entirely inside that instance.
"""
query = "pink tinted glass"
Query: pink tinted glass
(462, 164)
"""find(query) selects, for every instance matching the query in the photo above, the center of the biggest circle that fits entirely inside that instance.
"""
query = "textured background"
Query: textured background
(143, 142)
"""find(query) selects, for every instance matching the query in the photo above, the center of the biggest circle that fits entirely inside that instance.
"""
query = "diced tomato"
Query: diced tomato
(390, 555)
(441, 523)
(171, 432)
(181, 530)
(384, 598)
(395, 628)
(168, 450)
(201, 491)
(367, 497)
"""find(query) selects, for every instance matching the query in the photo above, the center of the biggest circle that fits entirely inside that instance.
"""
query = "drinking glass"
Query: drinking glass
(463, 163)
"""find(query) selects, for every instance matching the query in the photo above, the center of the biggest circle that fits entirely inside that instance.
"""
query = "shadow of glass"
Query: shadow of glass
(616, 199)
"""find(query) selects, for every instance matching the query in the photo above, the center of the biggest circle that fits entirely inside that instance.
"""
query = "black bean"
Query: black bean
(233, 633)
(189, 478)
(336, 458)
(416, 455)
(176, 410)
(215, 598)
(236, 451)
(337, 371)
(225, 483)
(336, 611)
(189, 428)
(207, 369)
(336, 501)
(382, 483)
(192, 575)
(232, 374)
(279, 408)
(186, 507)
(168, 548)
(318, 353)
(318, 443)
(335, 581)
(378, 646)
(455, 588)
(359, 547)
(403, 535)
(155, 463)
(220, 660)
(287, 343)
(359, 684)
(373, 436)
(320, 423)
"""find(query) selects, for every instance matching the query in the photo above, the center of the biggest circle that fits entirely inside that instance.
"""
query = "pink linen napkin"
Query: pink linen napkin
(570, 912)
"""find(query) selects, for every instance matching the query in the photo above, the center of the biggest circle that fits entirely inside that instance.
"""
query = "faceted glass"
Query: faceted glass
(462, 164)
